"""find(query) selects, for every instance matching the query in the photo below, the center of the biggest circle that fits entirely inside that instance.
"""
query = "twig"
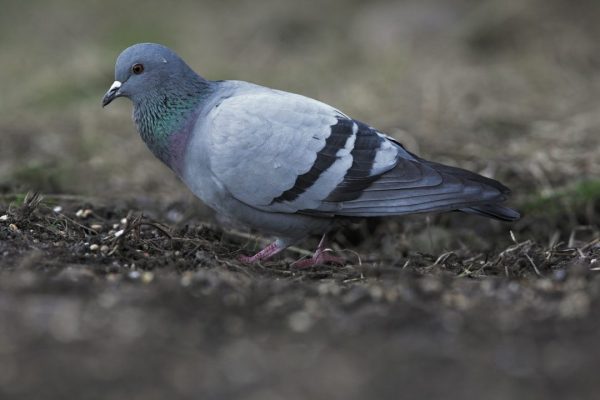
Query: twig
(535, 268)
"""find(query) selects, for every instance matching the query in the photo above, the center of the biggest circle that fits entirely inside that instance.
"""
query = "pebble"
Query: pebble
(134, 274)
(83, 213)
(186, 279)
(57, 209)
(544, 284)
(431, 285)
(119, 233)
(300, 321)
(96, 227)
(94, 247)
(104, 248)
(329, 288)
(574, 305)
(13, 228)
(4, 217)
(376, 293)
(147, 277)
(559, 275)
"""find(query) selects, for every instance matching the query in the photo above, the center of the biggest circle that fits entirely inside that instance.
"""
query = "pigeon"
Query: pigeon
(284, 164)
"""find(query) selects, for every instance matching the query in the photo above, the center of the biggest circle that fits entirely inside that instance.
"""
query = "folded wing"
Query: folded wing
(281, 152)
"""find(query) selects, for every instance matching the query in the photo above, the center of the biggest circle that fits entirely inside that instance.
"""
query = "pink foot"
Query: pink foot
(321, 256)
(264, 254)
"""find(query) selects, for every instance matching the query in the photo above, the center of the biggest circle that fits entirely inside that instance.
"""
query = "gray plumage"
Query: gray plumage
(284, 164)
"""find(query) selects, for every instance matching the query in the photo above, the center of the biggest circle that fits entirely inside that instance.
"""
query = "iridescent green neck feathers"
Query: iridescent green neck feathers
(163, 117)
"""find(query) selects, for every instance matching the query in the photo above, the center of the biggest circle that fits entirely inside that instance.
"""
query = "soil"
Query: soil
(102, 301)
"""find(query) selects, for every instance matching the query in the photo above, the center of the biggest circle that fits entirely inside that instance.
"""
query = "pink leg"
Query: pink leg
(321, 256)
(264, 254)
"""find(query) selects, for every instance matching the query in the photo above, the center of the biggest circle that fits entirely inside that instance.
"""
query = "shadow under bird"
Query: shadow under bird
(286, 165)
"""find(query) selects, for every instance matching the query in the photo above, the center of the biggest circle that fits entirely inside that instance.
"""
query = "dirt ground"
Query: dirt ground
(105, 302)
(116, 283)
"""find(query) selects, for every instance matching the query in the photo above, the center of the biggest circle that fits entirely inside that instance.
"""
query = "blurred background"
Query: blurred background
(507, 88)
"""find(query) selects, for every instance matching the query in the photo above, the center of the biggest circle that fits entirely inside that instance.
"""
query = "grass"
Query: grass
(578, 195)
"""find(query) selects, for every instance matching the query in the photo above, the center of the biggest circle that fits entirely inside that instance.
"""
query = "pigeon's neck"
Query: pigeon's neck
(165, 119)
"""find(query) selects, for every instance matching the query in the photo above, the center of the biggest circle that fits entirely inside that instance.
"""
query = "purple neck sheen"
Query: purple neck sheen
(177, 145)
(165, 118)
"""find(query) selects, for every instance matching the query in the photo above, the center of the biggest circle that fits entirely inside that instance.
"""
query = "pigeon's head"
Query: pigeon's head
(146, 69)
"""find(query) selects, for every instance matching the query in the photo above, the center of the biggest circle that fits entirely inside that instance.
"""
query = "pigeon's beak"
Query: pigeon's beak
(112, 93)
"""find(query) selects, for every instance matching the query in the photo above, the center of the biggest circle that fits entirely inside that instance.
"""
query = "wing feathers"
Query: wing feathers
(281, 152)
(341, 134)
(416, 185)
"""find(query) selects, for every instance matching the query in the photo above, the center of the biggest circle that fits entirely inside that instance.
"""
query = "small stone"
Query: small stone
(456, 300)
(83, 213)
(431, 285)
(574, 305)
(96, 227)
(4, 217)
(13, 228)
(300, 321)
(175, 216)
(559, 275)
(119, 233)
(134, 274)
(186, 279)
(376, 292)
(104, 248)
(329, 288)
(94, 247)
(57, 209)
(147, 277)
(544, 284)
(123, 221)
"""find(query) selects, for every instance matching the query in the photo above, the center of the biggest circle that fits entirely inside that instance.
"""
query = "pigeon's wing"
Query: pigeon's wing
(278, 151)
(415, 185)
(281, 152)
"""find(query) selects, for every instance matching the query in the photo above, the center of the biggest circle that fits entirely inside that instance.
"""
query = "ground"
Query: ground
(100, 302)
(115, 282)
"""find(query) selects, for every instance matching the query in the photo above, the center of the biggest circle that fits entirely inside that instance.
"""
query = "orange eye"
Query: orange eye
(137, 69)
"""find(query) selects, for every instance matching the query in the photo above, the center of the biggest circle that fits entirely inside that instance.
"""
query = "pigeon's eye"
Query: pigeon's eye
(137, 69)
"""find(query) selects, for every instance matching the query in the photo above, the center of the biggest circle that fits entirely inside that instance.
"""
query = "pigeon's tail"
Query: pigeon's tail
(494, 211)
(420, 186)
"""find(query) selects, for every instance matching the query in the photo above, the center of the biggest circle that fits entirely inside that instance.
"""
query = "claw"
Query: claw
(264, 254)
(321, 256)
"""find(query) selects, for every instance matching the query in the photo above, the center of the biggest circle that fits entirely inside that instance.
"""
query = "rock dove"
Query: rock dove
(286, 165)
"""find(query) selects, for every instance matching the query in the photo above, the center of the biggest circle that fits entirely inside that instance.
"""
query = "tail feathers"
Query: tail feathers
(495, 211)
